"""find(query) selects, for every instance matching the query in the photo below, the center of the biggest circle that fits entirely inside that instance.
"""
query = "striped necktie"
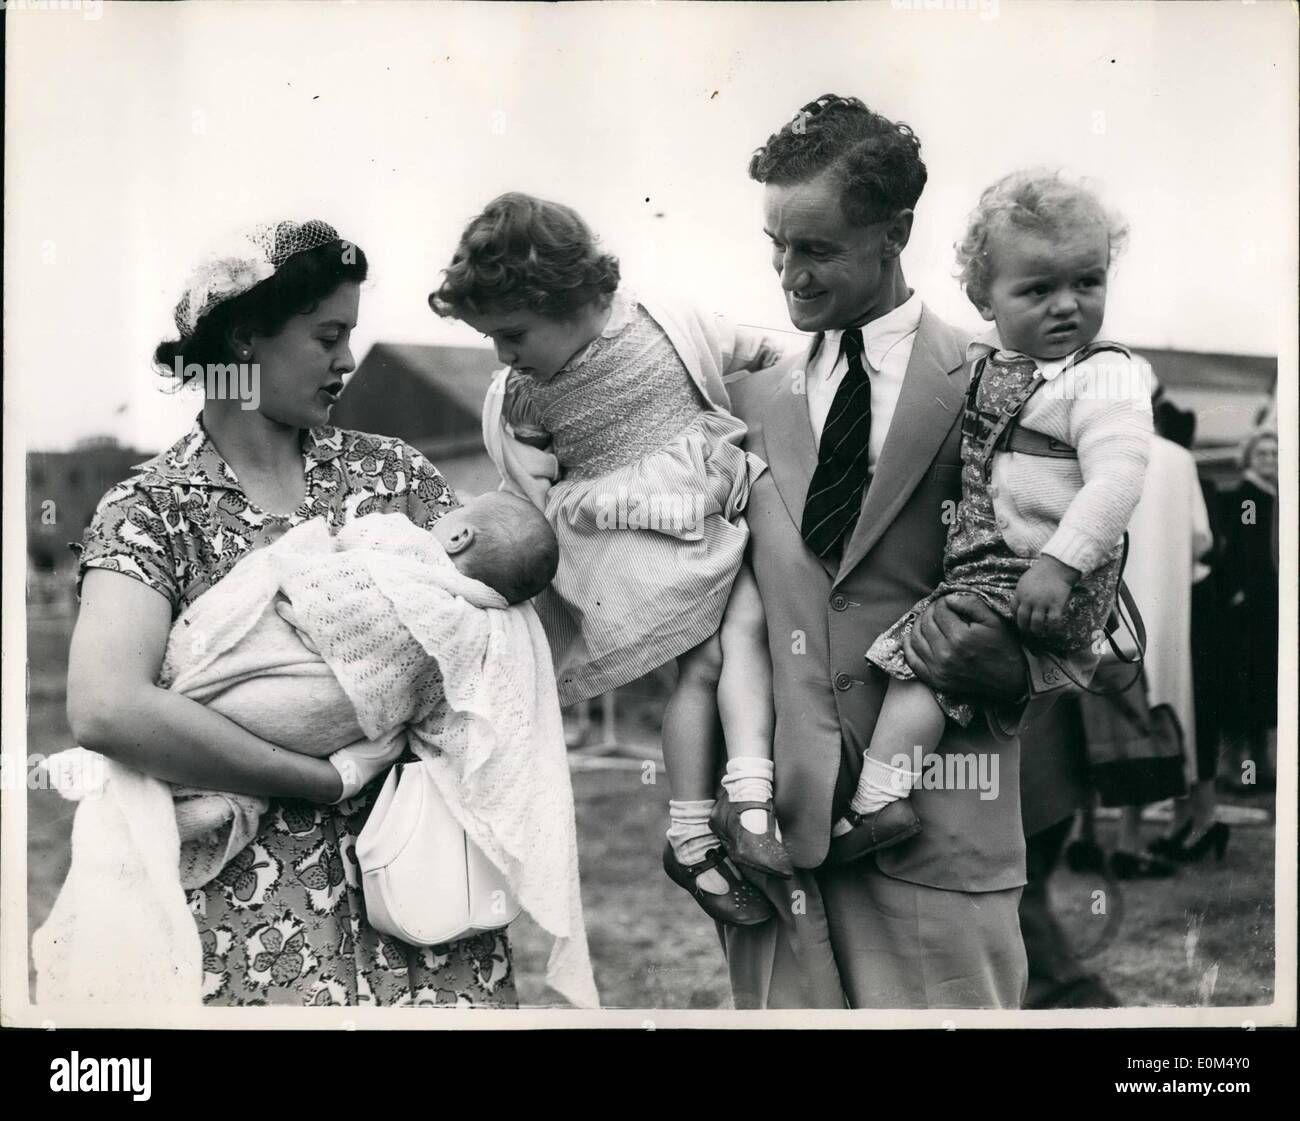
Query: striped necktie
(835, 493)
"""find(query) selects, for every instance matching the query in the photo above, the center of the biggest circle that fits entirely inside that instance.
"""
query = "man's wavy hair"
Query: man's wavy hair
(876, 161)
(524, 253)
(1037, 202)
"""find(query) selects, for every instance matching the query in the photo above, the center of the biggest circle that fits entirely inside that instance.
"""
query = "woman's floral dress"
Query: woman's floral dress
(284, 923)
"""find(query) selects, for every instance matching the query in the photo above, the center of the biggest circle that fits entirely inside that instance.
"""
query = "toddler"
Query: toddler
(1054, 449)
(644, 483)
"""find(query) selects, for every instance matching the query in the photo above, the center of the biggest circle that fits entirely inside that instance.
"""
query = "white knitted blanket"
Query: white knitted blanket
(404, 640)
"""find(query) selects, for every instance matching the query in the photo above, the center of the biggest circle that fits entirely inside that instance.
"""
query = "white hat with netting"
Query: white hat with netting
(248, 258)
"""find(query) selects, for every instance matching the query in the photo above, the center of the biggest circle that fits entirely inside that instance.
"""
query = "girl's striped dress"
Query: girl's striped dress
(647, 510)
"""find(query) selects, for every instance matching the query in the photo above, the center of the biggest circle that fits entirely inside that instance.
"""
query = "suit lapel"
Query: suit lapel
(789, 445)
(928, 404)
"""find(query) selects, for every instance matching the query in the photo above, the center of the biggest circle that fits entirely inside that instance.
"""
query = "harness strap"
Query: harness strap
(1028, 442)
(1006, 433)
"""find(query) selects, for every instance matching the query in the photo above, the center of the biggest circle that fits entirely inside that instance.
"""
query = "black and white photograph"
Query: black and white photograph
(650, 514)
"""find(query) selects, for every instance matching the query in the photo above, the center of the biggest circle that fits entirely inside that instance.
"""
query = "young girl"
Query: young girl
(647, 509)
(1054, 451)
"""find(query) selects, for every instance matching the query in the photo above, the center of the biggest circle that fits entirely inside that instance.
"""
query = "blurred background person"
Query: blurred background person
(1142, 736)
(1250, 587)
(1194, 829)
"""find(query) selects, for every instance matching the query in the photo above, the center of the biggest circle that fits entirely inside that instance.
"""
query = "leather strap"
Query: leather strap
(1028, 442)
(1008, 435)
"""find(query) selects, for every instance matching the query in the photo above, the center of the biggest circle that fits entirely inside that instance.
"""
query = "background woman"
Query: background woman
(1250, 572)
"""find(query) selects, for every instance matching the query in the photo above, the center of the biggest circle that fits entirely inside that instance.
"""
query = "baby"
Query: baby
(502, 541)
(498, 540)
(1054, 449)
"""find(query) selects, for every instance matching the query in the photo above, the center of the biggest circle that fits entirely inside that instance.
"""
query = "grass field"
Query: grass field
(1205, 937)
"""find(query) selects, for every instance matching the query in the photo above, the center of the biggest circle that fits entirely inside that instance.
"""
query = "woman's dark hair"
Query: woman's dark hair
(524, 253)
(297, 287)
(876, 161)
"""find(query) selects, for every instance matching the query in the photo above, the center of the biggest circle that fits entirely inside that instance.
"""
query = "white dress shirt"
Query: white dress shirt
(887, 348)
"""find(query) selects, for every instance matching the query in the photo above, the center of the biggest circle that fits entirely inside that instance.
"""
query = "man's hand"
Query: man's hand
(961, 645)
(1041, 595)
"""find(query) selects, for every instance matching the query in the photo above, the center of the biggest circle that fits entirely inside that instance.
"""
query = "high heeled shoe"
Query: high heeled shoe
(1169, 847)
(761, 852)
(1215, 837)
(743, 905)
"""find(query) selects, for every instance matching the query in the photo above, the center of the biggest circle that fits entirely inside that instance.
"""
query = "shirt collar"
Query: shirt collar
(880, 336)
(194, 460)
(991, 342)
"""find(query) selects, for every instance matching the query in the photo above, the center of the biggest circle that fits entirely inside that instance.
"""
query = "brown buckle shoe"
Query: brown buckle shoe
(874, 831)
(762, 852)
(743, 905)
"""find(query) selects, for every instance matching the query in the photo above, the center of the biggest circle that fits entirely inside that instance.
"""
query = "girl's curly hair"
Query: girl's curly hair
(525, 253)
(1041, 202)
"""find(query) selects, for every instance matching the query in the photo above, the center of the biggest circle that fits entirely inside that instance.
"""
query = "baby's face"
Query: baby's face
(1048, 294)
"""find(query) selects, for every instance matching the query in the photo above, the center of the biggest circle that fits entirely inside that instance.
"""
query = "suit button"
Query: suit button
(1002, 521)
(843, 681)
(839, 602)
(993, 491)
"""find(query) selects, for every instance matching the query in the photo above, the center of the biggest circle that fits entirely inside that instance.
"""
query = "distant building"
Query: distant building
(431, 397)
(1227, 392)
(63, 489)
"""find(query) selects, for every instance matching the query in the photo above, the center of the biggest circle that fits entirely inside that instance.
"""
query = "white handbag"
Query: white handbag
(425, 881)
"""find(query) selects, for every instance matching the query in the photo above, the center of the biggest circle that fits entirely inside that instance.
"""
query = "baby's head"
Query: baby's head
(1035, 260)
(529, 275)
(502, 541)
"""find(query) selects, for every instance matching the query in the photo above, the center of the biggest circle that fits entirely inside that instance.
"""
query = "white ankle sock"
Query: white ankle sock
(689, 831)
(691, 839)
(749, 779)
(880, 784)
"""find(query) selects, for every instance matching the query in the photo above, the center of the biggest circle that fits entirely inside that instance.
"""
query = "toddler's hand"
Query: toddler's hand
(1041, 595)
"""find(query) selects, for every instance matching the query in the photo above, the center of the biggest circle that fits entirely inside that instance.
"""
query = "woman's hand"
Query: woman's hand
(116, 707)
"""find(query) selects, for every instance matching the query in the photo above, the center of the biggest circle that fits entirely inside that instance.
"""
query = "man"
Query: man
(847, 533)
(1054, 784)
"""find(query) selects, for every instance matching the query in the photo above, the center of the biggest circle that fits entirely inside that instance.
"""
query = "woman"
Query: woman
(284, 923)
(1250, 579)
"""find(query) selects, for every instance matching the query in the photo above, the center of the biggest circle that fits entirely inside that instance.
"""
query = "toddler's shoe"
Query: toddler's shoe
(743, 905)
(762, 852)
(874, 831)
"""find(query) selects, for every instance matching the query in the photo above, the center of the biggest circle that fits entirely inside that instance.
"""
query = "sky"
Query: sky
(136, 139)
